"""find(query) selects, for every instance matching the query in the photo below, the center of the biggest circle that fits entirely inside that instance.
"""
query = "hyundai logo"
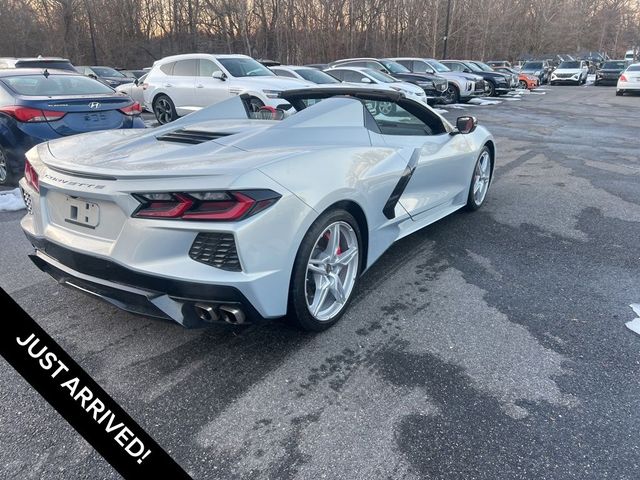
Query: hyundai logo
(94, 105)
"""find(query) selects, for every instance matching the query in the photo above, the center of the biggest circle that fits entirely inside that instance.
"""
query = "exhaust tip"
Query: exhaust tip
(232, 315)
(206, 312)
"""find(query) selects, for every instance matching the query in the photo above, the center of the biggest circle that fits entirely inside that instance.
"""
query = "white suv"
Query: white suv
(182, 84)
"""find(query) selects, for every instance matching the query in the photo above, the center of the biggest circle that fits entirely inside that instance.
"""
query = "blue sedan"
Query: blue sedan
(38, 105)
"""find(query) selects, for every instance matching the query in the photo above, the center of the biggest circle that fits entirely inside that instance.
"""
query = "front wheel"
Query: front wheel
(522, 85)
(452, 95)
(325, 271)
(480, 180)
(491, 91)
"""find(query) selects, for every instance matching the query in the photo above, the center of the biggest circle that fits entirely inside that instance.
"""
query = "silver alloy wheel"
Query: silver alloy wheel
(331, 271)
(386, 108)
(163, 111)
(4, 168)
(522, 85)
(481, 178)
(451, 95)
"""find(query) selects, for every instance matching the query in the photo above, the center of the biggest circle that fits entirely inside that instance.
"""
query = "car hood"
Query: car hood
(568, 70)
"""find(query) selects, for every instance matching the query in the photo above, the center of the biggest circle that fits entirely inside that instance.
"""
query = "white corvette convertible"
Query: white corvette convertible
(221, 216)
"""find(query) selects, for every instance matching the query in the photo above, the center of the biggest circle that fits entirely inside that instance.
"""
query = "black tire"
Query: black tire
(255, 104)
(492, 89)
(472, 204)
(164, 109)
(453, 94)
(6, 172)
(298, 311)
(619, 93)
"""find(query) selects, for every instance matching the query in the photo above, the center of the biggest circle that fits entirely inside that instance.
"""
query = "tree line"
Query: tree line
(134, 33)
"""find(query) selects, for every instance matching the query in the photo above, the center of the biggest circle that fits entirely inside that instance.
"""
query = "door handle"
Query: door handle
(168, 85)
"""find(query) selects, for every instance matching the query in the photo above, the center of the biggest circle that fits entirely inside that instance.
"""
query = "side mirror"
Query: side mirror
(220, 75)
(136, 82)
(92, 75)
(466, 124)
(365, 80)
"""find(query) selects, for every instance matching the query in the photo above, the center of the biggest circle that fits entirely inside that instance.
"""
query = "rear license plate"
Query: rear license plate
(83, 213)
(95, 117)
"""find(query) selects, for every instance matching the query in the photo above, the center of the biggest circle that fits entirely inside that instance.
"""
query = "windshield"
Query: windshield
(532, 66)
(484, 66)
(438, 67)
(316, 76)
(245, 67)
(379, 76)
(394, 67)
(634, 68)
(106, 72)
(473, 67)
(614, 65)
(39, 85)
(569, 65)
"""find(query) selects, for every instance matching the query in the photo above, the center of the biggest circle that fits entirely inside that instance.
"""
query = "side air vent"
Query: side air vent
(191, 137)
(217, 250)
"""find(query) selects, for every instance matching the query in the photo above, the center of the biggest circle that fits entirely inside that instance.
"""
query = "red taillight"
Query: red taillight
(26, 114)
(211, 206)
(623, 78)
(134, 109)
(31, 176)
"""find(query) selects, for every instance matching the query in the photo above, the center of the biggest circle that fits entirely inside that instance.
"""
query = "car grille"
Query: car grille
(27, 201)
(193, 137)
(216, 249)
(565, 75)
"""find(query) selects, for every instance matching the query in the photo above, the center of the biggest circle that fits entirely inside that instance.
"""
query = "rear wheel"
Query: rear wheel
(164, 109)
(619, 93)
(6, 175)
(325, 271)
(480, 180)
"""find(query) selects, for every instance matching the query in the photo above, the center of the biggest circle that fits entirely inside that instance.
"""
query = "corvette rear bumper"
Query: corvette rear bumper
(136, 292)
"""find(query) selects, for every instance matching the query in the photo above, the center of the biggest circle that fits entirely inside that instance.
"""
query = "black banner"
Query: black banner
(79, 399)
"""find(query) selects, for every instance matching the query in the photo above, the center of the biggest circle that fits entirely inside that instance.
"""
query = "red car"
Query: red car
(525, 81)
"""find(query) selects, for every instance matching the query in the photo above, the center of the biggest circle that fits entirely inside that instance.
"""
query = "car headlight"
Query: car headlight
(425, 84)
(272, 93)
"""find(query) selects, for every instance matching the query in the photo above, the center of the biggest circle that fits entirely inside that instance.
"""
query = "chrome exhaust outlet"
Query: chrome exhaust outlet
(232, 315)
(206, 312)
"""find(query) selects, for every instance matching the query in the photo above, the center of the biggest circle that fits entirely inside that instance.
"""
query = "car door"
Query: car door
(180, 85)
(441, 163)
(210, 90)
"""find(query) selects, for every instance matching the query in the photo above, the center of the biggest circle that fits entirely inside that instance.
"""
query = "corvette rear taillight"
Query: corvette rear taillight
(134, 109)
(26, 114)
(31, 176)
(623, 78)
(210, 206)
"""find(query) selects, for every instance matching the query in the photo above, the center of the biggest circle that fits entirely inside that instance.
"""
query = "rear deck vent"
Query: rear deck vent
(191, 137)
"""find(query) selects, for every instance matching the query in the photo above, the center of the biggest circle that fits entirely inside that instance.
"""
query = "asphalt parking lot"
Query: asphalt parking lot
(489, 345)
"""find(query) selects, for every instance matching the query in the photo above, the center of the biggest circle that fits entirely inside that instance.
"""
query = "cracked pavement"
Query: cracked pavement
(489, 345)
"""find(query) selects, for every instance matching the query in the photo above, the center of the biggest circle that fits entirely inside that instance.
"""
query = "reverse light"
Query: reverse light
(211, 206)
(133, 109)
(31, 115)
(31, 176)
